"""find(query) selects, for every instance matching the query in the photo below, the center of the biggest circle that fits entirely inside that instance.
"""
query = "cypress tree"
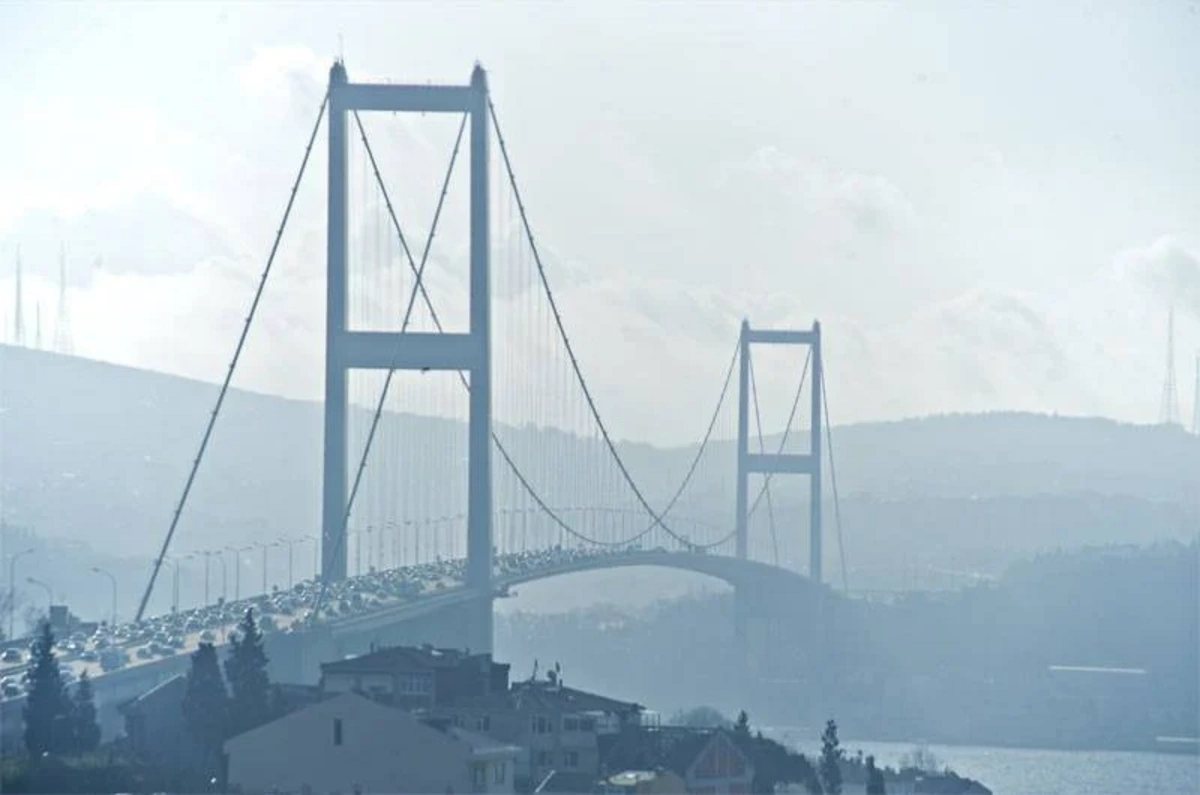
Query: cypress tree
(831, 757)
(47, 707)
(85, 728)
(246, 671)
(205, 703)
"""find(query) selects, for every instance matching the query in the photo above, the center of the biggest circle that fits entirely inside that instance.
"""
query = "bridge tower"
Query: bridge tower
(470, 352)
(778, 463)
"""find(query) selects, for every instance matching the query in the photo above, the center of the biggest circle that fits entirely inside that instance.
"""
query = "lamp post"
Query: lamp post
(265, 545)
(220, 556)
(370, 548)
(49, 593)
(237, 570)
(112, 581)
(12, 587)
(291, 543)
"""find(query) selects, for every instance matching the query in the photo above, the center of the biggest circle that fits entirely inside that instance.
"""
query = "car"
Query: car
(89, 656)
(11, 655)
(207, 636)
(10, 689)
(144, 653)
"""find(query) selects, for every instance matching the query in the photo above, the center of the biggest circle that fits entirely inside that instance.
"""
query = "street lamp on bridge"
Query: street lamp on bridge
(49, 592)
(112, 581)
(12, 587)
(264, 545)
(237, 570)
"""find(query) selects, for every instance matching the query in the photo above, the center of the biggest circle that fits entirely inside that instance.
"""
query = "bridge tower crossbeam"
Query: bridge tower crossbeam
(780, 463)
(347, 349)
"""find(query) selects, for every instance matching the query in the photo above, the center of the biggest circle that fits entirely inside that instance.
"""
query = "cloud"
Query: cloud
(655, 350)
(869, 203)
(1166, 269)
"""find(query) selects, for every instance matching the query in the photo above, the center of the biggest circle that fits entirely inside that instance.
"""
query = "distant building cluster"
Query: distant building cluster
(422, 719)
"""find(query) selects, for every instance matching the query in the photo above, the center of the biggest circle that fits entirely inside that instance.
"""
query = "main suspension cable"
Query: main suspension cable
(570, 350)
(237, 353)
(427, 300)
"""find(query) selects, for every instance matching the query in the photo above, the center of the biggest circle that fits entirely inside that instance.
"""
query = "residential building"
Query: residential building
(560, 727)
(351, 744)
(707, 760)
(416, 678)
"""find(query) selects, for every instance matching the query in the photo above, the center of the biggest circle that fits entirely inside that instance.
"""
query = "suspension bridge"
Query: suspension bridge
(390, 347)
(543, 489)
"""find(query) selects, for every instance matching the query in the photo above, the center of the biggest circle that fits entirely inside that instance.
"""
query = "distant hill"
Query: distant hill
(97, 453)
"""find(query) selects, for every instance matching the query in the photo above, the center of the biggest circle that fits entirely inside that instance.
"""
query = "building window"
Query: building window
(483, 723)
(541, 725)
(545, 758)
(499, 773)
(570, 723)
(478, 778)
(587, 724)
(337, 731)
(571, 760)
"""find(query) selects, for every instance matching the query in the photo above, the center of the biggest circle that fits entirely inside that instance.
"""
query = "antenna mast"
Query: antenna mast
(18, 320)
(1168, 413)
(63, 342)
(1196, 400)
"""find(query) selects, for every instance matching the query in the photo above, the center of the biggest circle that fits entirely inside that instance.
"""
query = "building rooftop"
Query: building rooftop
(401, 658)
(541, 695)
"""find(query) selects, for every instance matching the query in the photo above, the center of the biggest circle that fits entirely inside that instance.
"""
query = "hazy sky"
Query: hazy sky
(988, 205)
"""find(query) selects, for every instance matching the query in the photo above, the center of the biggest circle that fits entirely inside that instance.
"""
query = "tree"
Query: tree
(742, 727)
(47, 708)
(85, 729)
(831, 757)
(246, 671)
(701, 718)
(206, 704)
(874, 778)
(774, 763)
